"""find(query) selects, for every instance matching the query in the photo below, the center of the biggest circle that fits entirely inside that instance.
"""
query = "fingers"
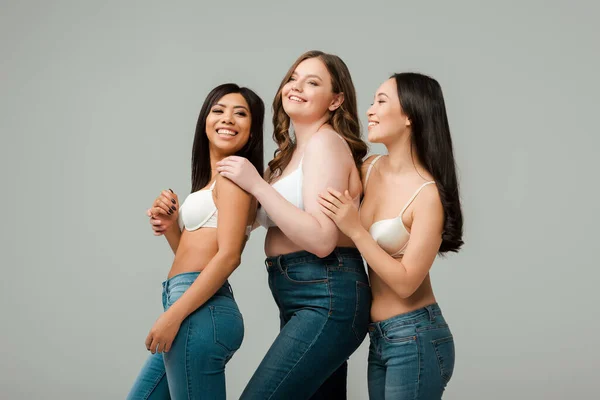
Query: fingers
(331, 199)
(335, 193)
(327, 205)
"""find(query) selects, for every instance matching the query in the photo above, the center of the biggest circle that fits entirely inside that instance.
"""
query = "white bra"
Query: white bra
(290, 187)
(200, 211)
(391, 234)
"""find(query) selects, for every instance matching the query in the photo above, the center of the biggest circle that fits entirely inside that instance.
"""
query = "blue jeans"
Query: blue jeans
(324, 313)
(411, 356)
(194, 368)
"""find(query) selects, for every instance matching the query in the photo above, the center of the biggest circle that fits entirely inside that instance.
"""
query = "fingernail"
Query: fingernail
(173, 208)
(172, 191)
(173, 201)
(170, 212)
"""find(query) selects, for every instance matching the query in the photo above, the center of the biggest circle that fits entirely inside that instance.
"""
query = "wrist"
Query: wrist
(259, 188)
(357, 234)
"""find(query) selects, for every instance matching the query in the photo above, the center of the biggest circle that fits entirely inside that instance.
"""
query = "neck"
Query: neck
(304, 130)
(401, 156)
(215, 157)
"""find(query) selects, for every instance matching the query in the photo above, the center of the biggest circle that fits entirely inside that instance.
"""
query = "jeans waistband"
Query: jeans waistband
(187, 278)
(425, 313)
(302, 257)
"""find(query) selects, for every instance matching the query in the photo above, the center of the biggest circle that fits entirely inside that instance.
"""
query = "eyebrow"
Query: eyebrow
(383, 94)
(309, 76)
(223, 105)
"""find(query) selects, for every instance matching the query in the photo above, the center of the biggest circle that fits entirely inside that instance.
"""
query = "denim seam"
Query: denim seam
(307, 350)
(187, 361)
(147, 395)
(358, 283)
(417, 387)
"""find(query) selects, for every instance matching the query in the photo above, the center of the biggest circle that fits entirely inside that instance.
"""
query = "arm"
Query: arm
(234, 206)
(405, 275)
(310, 228)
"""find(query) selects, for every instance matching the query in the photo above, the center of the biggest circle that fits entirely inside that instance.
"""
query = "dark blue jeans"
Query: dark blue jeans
(194, 368)
(411, 356)
(324, 306)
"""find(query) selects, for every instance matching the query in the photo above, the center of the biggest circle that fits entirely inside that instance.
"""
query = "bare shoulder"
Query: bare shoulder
(366, 164)
(429, 199)
(326, 140)
(225, 188)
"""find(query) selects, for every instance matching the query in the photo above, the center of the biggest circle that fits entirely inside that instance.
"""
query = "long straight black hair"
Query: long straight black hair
(423, 103)
(253, 150)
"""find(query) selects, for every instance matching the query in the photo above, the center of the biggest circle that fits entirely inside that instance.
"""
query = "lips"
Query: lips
(373, 123)
(296, 99)
(226, 131)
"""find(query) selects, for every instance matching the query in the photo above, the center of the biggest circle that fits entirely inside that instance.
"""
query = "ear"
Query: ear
(407, 123)
(337, 101)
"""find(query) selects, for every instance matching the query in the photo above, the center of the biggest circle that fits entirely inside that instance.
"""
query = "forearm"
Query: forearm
(173, 235)
(389, 269)
(214, 275)
(299, 226)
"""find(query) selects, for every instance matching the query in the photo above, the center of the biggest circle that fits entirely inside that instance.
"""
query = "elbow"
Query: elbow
(404, 291)
(323, 249)
(231, 260)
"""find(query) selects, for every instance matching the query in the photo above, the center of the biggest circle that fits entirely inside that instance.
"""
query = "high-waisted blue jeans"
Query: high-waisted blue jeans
(194, 368)
(324, 308)
(411, 356)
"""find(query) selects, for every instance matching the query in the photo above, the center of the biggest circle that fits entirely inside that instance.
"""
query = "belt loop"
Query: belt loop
(279, 257)
(339, 257)
(431, 314)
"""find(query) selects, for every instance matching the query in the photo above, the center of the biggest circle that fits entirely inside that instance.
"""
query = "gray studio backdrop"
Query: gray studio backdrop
(98, 107)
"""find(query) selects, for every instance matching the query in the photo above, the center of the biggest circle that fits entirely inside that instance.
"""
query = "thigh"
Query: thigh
(299, 361)
(151, 383)
(334, 387)
(206, 340)
(401, 358)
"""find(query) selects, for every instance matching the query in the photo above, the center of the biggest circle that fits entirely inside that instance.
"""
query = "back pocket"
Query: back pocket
(444, 350)
(229, 327)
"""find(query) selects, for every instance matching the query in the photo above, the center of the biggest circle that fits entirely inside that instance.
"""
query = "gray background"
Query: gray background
(98, 106)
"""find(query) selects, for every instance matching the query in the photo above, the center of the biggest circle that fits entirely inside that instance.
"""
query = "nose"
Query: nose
(296, 86)
(227, 118)
(370, 111)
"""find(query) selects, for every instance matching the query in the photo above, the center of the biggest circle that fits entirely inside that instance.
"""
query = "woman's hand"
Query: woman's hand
(163, 333)
(164, 212)
(241, 172)
(340, 208)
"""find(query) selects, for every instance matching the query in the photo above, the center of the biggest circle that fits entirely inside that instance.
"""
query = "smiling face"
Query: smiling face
(387, 121)
(308, 94)
(228, 124)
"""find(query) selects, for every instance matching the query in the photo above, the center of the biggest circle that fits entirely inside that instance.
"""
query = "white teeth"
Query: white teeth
(226, 132)
(296, 98)
(373, 123)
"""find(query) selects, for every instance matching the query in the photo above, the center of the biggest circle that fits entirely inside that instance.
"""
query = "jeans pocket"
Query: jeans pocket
(306, 273)
(362, 310)
(229, 328)
(400, 333)
(444, 351)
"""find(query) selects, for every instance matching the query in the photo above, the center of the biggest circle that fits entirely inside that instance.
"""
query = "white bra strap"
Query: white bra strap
(414, 196)
(369, 170)
(213, 185)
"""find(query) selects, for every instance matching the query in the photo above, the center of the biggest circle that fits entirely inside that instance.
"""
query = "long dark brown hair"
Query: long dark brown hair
(344, 119)
(253, 150)
(423, 103)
